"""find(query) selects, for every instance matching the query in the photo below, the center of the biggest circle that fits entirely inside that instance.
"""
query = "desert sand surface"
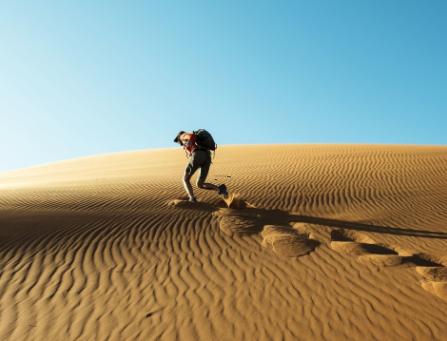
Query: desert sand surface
(321, 242)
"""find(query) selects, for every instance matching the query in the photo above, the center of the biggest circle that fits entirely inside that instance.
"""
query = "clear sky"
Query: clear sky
(80, 78)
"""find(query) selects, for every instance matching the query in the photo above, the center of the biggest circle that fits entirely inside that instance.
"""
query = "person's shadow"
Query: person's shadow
(261, 217)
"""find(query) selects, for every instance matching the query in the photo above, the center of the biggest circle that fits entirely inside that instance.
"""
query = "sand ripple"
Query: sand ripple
(101, 248)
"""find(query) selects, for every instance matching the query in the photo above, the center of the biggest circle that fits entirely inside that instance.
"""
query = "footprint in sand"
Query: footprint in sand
(364, 248)
(286, 241)
(434, 275)
(433, 272)
(242, 218)
(296, 241)
(436, 288)
(182, 203)
(283, 240)
(234, 200)
(238, 217)
(234, 221)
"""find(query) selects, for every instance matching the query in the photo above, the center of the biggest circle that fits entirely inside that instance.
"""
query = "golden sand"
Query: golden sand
(327, 242)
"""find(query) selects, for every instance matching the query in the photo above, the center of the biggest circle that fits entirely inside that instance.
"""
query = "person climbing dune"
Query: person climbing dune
(198, 146)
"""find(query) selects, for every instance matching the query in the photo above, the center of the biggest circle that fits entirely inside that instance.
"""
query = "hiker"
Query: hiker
(198, 146)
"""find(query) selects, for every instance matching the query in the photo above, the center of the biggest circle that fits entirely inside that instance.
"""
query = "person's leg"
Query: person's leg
(201, 180)
(189, 171)
(204, 169)
(188, 187)
(221, 189)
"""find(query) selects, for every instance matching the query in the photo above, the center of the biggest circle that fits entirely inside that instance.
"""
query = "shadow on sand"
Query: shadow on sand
(280, 217)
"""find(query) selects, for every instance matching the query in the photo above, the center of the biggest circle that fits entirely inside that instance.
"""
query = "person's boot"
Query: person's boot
(223, 190)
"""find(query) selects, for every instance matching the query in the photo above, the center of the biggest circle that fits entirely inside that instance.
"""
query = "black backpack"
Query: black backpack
(204, 140)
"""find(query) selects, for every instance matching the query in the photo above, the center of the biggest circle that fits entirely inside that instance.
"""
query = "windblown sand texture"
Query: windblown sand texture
(334, 242)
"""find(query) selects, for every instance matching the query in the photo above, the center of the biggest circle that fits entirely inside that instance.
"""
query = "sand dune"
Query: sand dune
(327, 242)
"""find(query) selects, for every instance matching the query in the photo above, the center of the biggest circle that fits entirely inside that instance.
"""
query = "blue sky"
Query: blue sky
(88, 77)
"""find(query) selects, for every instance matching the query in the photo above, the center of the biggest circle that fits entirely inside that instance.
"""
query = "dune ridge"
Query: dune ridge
(325, 242)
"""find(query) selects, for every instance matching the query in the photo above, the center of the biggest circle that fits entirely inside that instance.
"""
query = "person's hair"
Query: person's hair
(177, 138)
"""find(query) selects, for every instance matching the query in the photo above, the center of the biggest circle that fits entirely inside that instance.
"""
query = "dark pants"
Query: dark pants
(199, 159)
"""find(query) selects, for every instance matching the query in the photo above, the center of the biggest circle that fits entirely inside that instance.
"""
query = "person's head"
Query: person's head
(177, 138)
